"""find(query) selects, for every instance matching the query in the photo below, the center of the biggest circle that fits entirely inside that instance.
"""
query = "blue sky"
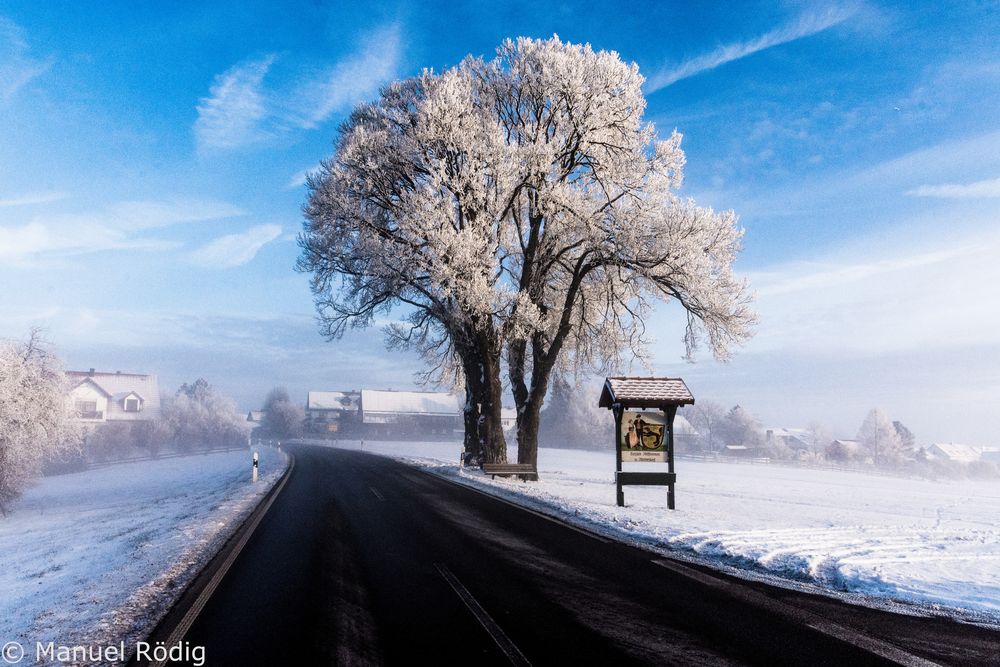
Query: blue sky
(152, 161)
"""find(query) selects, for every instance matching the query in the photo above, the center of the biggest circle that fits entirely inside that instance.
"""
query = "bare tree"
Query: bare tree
(521, 210)
(819, 437)
(709, 421)
(879, 438)
(34, 418)
(741, 427)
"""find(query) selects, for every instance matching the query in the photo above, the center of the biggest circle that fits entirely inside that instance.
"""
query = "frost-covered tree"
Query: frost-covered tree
(741, 427)
(34, 417)
(907, 441)
(520, 209)
(879, 438)
(709, 421)
(282, 418)
(198, 418)
(572, 419)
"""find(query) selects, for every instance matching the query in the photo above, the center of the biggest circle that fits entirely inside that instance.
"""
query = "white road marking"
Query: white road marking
(377, 494)
(192, 613)
(508, 647)
(873, 645)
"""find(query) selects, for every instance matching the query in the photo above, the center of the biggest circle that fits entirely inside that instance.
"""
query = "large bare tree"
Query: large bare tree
(524, 213)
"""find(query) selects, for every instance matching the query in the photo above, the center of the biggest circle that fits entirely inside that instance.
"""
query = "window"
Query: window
(86, 407)
(131, 405)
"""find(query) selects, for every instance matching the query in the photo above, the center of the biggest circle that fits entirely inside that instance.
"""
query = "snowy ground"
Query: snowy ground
(912, 545)
(96, 557)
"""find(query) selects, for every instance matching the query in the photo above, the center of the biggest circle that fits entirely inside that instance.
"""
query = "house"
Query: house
(97, 397)
(508, 418)
(843, 450)
(255, 417)
(951, 451)
(797, 439)
(409, 413)
(990, 454)
(332, 411)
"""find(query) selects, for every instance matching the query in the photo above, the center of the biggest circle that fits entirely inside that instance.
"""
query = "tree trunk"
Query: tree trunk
(494, 445)
(470, 415)
(484, 400)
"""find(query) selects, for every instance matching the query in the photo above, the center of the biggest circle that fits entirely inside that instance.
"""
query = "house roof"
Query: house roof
(796, 438)
(93, 384)
(255, 416)
(409, 402)
(649, 392)
(332, 400)
(956, 452)
(117, 386)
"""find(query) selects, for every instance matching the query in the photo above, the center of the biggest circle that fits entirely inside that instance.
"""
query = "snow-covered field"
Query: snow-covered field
(96, 557)
(913, 545)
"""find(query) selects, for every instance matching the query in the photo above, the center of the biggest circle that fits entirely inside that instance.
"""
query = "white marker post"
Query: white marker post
(255, 466)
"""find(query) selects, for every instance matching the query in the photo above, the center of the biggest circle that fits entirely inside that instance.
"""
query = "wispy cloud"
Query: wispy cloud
(299, 179)
(805, 25)
(17, 68)
(352, 80)
(988, 189)
(234, 250)
(903, 294)
(231, 115)
(116, 227)
(252, 102)
(32, 198)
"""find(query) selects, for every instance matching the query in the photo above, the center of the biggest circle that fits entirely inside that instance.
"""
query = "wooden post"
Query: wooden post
(617, 409)
(669, 413)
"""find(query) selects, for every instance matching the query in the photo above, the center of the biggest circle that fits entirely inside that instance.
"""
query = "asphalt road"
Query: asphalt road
(363, 560)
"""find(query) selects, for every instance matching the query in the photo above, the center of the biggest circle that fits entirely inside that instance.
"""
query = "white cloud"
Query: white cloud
(17, 69)
(32, 198)
(116, 227)
(804, 26)
(231, 116)
(234, 250)
(927, 294)
(241, 110)
(352, 80)
(298, 179)
(988, 189)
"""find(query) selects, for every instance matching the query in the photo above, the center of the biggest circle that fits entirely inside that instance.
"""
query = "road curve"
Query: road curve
(364, 560)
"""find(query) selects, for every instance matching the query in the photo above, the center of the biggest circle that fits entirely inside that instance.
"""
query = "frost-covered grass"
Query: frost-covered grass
(915, 545)
(97, 557)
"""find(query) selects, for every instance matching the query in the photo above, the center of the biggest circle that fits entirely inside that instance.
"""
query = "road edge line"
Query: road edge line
(867, 643)
(864, 642)
(238, 541)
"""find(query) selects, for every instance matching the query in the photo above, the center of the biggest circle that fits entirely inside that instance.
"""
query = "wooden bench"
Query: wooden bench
(525, 471)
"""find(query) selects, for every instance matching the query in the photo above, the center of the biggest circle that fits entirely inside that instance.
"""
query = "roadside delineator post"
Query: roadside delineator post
(255, 463)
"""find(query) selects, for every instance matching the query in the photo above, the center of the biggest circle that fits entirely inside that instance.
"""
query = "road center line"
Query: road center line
(377, 494)
(508, 647)
(873, 645)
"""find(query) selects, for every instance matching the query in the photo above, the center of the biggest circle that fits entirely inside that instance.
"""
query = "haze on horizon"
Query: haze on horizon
(154, 165)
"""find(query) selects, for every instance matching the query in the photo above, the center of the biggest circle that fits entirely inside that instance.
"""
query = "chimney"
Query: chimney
(91, 372)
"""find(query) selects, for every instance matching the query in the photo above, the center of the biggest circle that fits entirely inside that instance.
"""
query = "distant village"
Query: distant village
(101, 398)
